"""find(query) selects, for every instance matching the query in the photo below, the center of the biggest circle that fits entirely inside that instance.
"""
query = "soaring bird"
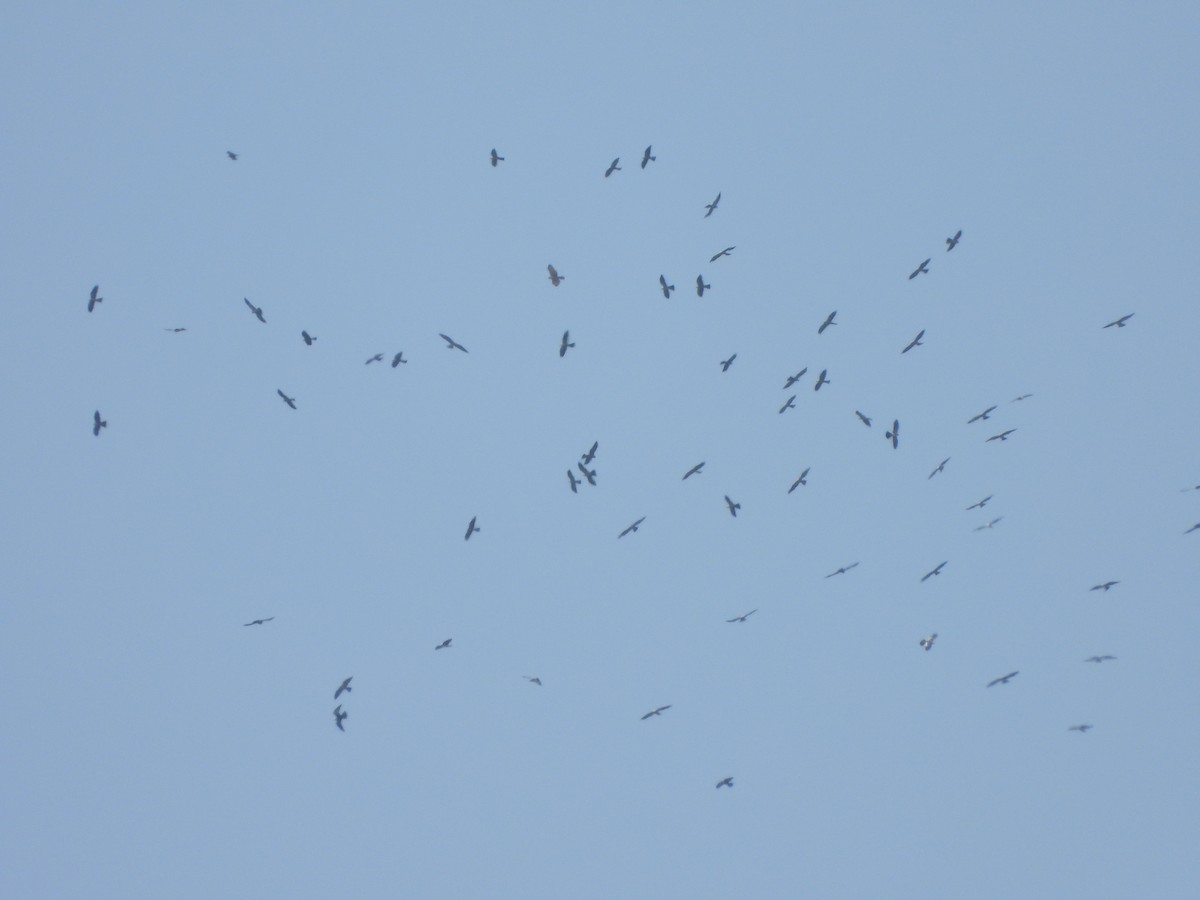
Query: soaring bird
(175, 330)
(982, 416)
(828, 321)
(842, 570)
(566, 343)
(694, 470)
(936, 570)
(743, 617)
(259, 621)
(821, 379)
(338, 716)
(940, 468)
(866, 421)
(555, 278)
(1082, 729)
(712, 207)
(1099, 659)
(701, 287)
(308, 338)
(573, 481)
(471, 528)
(666, 288)
(923, 267)
(496, 158)
(915, 342)
(726, 363)
(1002, 680)
(257, 310)
(631, 528)
(991, 524)
(646, 157)
(399, 358)
(733, 507)
(93, 299)
(725, 782)
(444, 645)
(378, 357)
(894, 434)
(952, 242)
(612, 167)
(1022, 397)
(792, 379)
(589, 474)
(803, 479)
(658, 711)
(1002, 436)
(1193, 528)
(1120, 323)
(231, 155)
(290, 401)
(345, 688)
(791, 404)
(452, 344)
(927, 641)
(980, 504)
(533, 679)
(98, 423)
(591, 454)
(1103, 587)
(725, 252)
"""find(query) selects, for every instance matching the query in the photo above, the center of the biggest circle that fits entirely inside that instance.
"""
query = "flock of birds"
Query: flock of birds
(583, 471)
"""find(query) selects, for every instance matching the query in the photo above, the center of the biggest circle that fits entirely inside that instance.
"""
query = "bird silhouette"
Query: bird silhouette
(923, 267)
(231, 155)
(339, 716)
(1004, 679)
(940, 468)
(725, 782)
(991, 524)
(828, 321)
(533, 679)
(591, 454)
(308, 338)
(866, 421)
(378, 357)
(791, 404)
(712, 207)
(936, 570)
(471, 529)
(290, 401)
(792, 379)
(613, 167)
(344, 688)
(701, 287)
(927, 641)
(915, 342)
(1082, 729)
(979, 504)
(982, 416)
(646, 157)
(1022, 397)
(894, 434)
(1120, 323)
(452, 344)
(694, 470)
(573, 481)
(444, 645)
(1099, 659)
(175, 330)
(842, 570)
(726, 363)
(1002, 436)
(743, 617)
(1103, 587)
(257, 310)
(589, 474)
(1193, 528)
(666, 288)
(821, 379)
(631, 528)
(657, 711)
(555, 278)
(733, 507)
(259, 621)
(399, 358)
(98, 423)
(726, 252)
(566, 343)
(93, 299)
(496, 158)
(952, 242)
(803, 479)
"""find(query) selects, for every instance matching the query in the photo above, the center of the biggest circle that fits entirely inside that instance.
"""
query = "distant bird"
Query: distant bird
(631, 528)
(821, 379)
(940, 468)
(983, 415)
(952, 242)
(725, 782)
(828, 321)
(1187, 489)
(612, 167)
(175, 330)
(444, 645)
(1193, 528)
(1082, 729)
(93, 299)
(496, 158)
(803, 479)
(712, 207)
(725, 252)
(936, 570)
(694, 470)
(646, 157)
(555, 278)
(471, 528)
(915, 342)
(927, 641)
(701, 287)
(308, 338)
(338, 716)
(792, 379)
(666, 288)
(259, 621)
(452, 344)
(1120, 323)
(733, 507)
(894, 434)
(573, 481)
(1022, 397)
(399, 358)
(1002, 436)
(589, 474)
(378, 357)
(1002, 680)
(566, 343)
(658, 711)
(1099, 659)
(743, 617)
(290, 401)
(990, 524)
(726, 363)
(980, 504)
(1103, 587)
(533, 679)
(843, 570)
(257, 310)
(98, 423)
(866, 421)
(591, 454)
(231, 155)
(345, 688)
(923, 267)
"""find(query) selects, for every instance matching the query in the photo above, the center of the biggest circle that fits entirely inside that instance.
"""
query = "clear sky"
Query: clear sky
(155, 746)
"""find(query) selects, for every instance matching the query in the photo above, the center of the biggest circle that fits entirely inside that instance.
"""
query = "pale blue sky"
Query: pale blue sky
(157, 748)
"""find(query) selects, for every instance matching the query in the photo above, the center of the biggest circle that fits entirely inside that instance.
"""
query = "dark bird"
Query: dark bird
(290, 401)
(555, 278)
(257, 310)
(566, 343)
(1186, 490)
(936, 570)
(923, 267)
(666, 288)
(444, 645)
(940, 468)
(991, 524)
(308, 338)
(1193, 528)
(981, 504)
(792, 379)
(803, 479)
(843, 570)
(1002, 436)
(712, 207)
(1003, 680)
(471, 528)
(894, 434)
(452, 344)
(725, 252)
(701, 287)
(915, 342)
(1022, 397)
(589, 474)
(98, 423)
(646, 157)
(725, 782)
(726, 363)
(952, 242)
(1082, 729)
(1099, 659)
(612, 167)
(694, 470)
(175, 330)
(338, 716)
(93, 299)
(399, 358)
(259, 621)
(821, 379)
(743, 617)
(733, 507)
(656, 712)
(828, 321)
(863, 418)
(345, 688)
(378, 357)
(231, 155)
(496, 158)
(927, 641)
(1103, 587)
(1120, 323)
(982, 416)
(631, 528)
(591, 454)
(573, 481)
(533, 679)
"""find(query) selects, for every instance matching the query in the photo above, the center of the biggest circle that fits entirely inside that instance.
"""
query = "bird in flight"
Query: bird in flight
(175, 330)
(452, 344)
(1103, 587)
(589, 474)
(93, 299)
(1195, 527)
(471, 528)
(894, 434)
(952, 242)
(726, 363)
(399, 358)
(915, 342)
(612, 167)
(646, 157)
(927, 641)
(991, 524)
(941, 467)
(666, 288)
(258, 621)
(496, 158)
(701, 287)
(1185, 490)
(444, 645)
(98, 423)
(573, 481)
(923, 267)
(1120, 323)
(1082, 729)
(533, 679)
(936, 570)
(821, 379)
(1022, 397)
(842, 570)
(658, 711)
(743, 617)
(725, 252)
(866, 421)
(1002, 680)
(566, 343)
(828, 321)
(803, 479)
(308, 338)
(1099, 659)
(338, 716)
(712, 207)
(378, 357)
(1002, 436)
(231, 155)
(694, 470)
(631, 528)
(591, 454)
(791, 404)
(981, 504)
(344, 688)
(733, 507)
(982, 416)
(290, 401)
(725, 782)
(555, 278)
(257, 310)
(792, 379)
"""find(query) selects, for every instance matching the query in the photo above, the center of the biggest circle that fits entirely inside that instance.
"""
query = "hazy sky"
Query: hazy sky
(156, 747)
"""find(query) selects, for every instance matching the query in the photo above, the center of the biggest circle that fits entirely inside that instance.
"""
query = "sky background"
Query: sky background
(156, 747)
